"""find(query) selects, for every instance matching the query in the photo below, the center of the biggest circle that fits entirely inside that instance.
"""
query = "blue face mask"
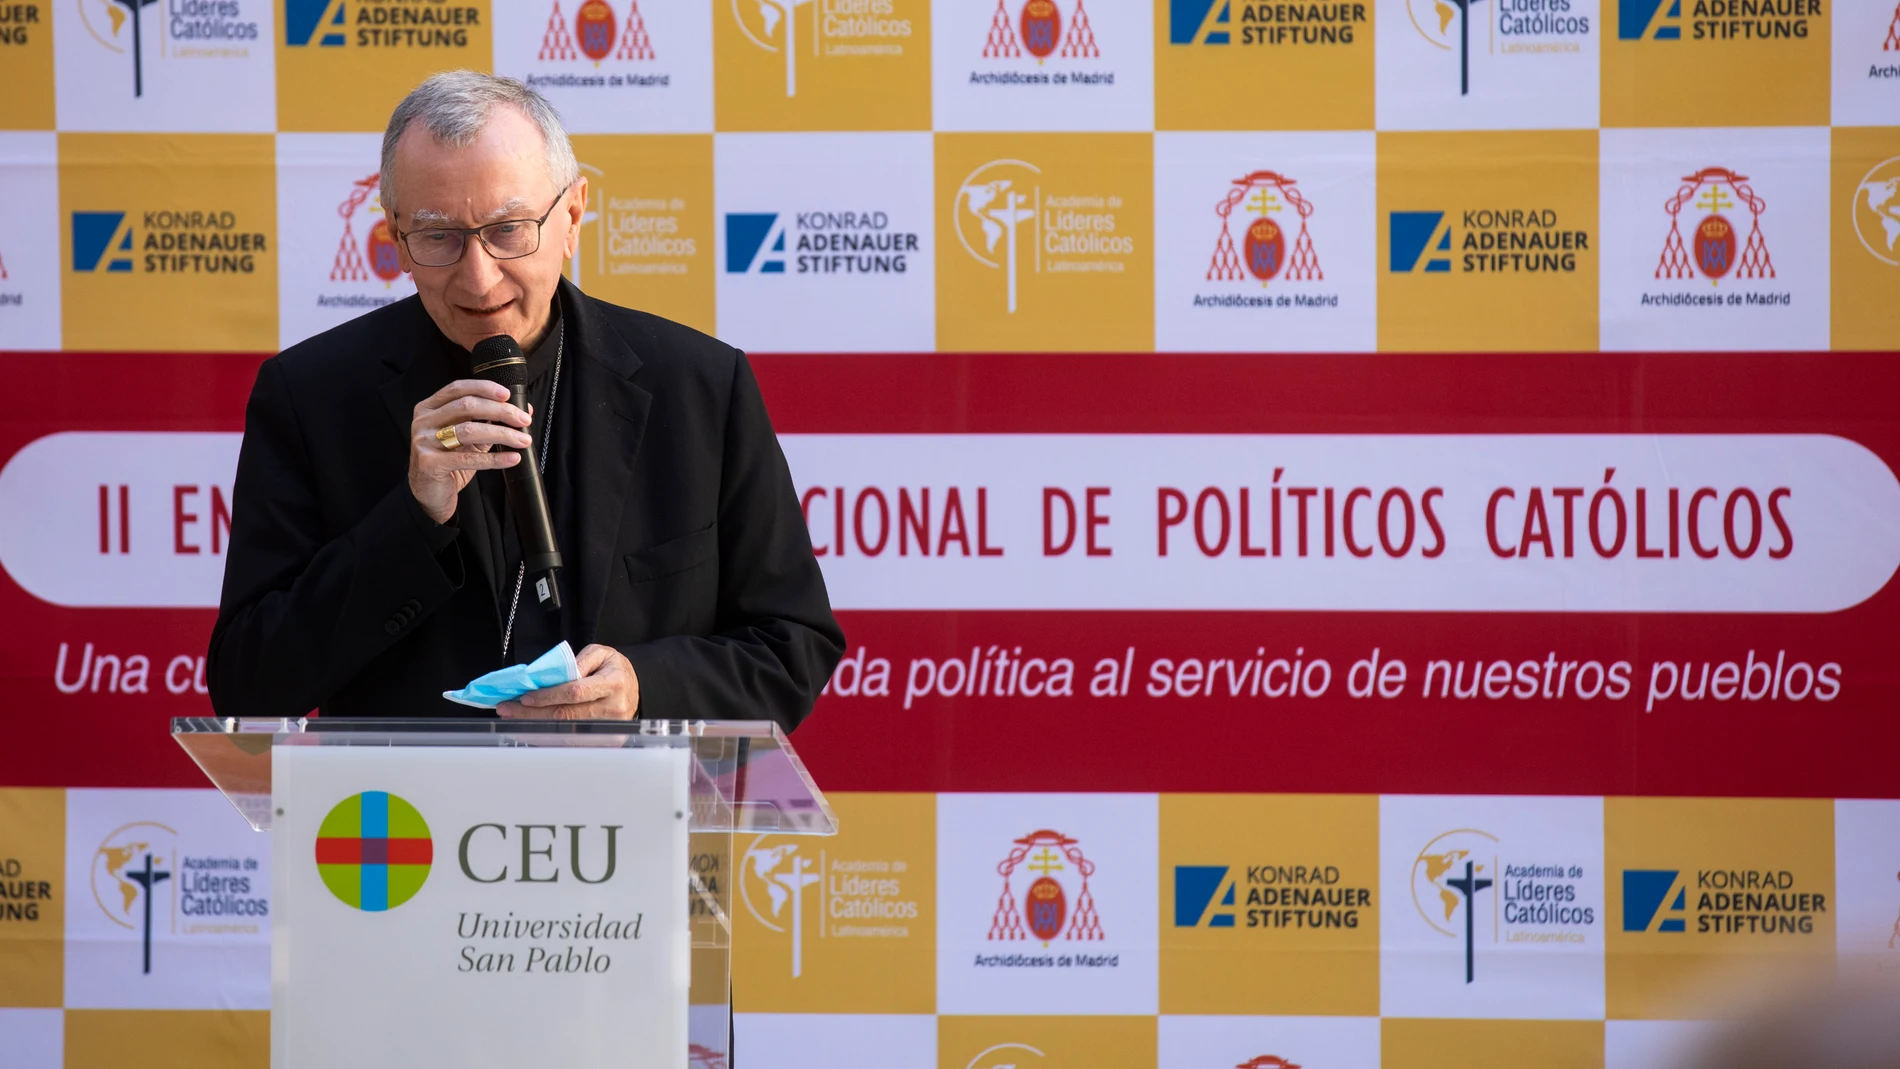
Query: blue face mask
(551, 669)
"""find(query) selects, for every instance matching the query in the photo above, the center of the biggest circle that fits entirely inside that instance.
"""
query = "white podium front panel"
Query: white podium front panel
(478, 907)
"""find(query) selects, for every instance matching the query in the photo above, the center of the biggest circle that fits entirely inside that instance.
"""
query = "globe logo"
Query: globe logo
(1877, 212)
(374, 851)
(992, 205)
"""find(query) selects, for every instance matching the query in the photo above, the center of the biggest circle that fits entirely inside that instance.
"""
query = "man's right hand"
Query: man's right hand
(482, 417)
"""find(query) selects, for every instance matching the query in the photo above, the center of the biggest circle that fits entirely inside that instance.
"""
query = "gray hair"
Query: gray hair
(454, 107)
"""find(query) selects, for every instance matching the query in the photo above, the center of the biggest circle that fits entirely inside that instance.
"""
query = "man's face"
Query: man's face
(501, 175)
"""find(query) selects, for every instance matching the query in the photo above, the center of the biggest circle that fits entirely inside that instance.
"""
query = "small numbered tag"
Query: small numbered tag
(541, 589)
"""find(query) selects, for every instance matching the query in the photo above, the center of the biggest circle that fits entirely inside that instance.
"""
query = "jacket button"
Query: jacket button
(391, 627)
(412, 605)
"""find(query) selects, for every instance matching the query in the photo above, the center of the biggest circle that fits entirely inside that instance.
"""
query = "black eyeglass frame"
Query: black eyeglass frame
(404, 235)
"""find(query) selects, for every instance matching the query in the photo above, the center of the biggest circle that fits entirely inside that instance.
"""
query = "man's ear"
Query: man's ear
(576, 208)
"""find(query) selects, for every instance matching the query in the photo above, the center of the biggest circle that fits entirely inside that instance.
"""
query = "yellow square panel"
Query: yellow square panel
(1488, 242)
(168, 241)
(647, 235)
(1045, 242)
(1703, 893)
(1269, 904)
(32, 896)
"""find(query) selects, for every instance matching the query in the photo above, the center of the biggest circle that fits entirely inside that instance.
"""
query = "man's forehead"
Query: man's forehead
(450, 213)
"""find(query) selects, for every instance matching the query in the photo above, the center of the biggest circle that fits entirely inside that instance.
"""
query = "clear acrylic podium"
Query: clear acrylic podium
(735, 776)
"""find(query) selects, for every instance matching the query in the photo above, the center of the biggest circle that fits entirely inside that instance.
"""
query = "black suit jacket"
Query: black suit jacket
(694, 559)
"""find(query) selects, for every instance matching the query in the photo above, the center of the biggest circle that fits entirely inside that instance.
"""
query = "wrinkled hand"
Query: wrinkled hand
(606, 690)
(482, 417)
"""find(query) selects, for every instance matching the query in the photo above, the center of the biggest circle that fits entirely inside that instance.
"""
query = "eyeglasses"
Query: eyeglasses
(510, 239)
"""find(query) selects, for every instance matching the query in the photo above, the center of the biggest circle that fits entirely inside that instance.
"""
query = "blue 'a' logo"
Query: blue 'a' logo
(1203, 896)
(1649, 20)
(102, 241)
(1655, 900)
(755, 243)
(314, 22)
(1200, 22)
(1420, 241)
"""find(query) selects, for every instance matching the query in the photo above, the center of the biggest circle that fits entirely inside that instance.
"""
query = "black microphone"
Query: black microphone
(499, 360)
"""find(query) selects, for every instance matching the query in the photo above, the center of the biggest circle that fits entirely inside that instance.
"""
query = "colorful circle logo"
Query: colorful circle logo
(374, 851)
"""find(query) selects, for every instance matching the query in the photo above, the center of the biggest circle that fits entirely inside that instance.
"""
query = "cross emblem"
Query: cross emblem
(1264, 201)
(1715, 200)
(1044, 863)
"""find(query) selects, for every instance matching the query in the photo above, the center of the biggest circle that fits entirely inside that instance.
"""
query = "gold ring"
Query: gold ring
(447, 437)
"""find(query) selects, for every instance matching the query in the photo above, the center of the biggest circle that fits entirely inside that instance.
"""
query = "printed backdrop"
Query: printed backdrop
(1365, 528)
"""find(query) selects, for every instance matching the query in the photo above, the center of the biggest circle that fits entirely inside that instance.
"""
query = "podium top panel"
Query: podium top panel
(746, 776)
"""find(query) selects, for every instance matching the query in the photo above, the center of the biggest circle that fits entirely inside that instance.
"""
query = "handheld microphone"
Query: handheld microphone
(499, 360)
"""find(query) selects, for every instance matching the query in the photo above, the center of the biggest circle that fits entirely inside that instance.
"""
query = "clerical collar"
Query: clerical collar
(541, 361)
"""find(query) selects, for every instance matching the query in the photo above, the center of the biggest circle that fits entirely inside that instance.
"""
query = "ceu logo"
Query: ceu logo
(1420, 242)
(355, 263)
(1007, 1056)
(119, 25)
(772, 882)
(1037, 28)
(699, 1056)
(1447, 877)
(594, 34)
(755, 243)
(1055, 902)
(127, 870)
(374, 851)
(1433, 18)
(102, 241)
(1264, 254)
(1876, 206)
(992, 206)
(1268, 1061)
(1715, 249)
(1655, 900)
(321, 23)
(1204, 896)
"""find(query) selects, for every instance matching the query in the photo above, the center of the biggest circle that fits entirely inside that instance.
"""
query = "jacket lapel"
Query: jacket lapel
(610, 420)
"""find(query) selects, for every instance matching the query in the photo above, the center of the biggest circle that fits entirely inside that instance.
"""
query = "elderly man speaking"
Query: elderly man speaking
(373, 562)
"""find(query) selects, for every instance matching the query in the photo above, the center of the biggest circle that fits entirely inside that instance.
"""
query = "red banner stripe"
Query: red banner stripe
(399, 852)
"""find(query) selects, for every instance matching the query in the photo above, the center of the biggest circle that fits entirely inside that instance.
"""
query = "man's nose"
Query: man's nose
(479, 271)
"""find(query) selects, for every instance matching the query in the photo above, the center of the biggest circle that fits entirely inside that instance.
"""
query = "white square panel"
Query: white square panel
(1491, 907)
(1265, 242)
(1714, 239)
(1866, 58)
(1269, 1042)
(32, 1039)
(613, 66)
(150, 68)
(167, 902)
(828, 1040)
(998, 65)
(1047, 903)
(1654, 1044)
(29, 241)
(1867, 885)
(825, 242)
(336, 250)
(1486, 64)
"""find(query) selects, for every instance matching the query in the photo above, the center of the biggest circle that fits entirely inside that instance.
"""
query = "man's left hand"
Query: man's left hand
(606, 690)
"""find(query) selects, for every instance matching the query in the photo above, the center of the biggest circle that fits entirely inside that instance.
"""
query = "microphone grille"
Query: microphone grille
(499, 359)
